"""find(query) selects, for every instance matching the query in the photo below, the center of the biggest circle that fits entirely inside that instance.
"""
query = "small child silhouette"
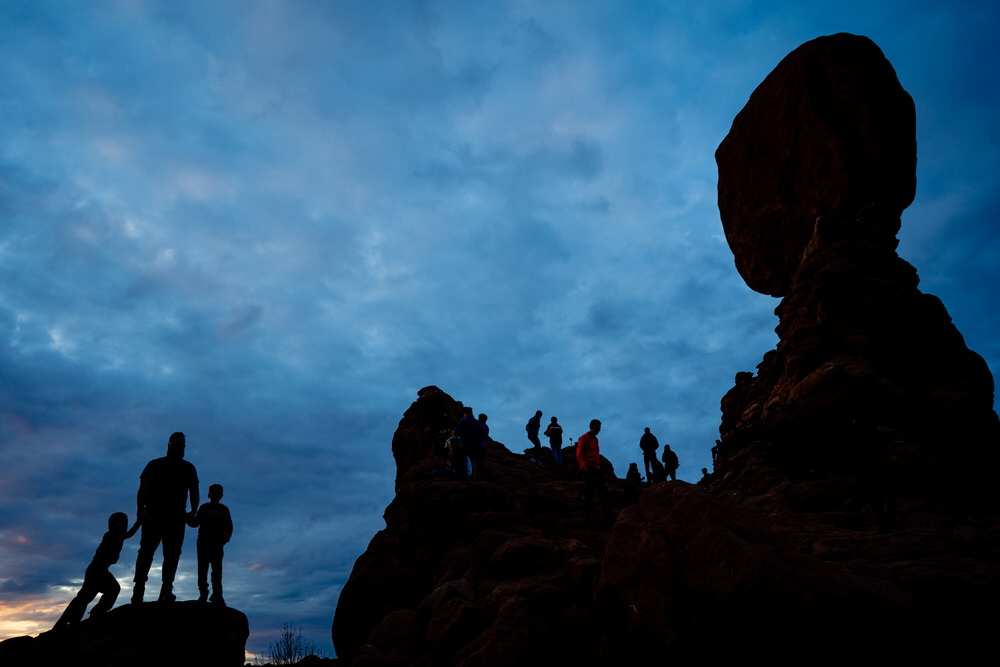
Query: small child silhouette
(215, 528)
(97, 578)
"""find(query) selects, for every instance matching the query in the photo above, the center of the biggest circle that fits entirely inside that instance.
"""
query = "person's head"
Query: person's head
(553, 420)
(647, 429)
(176, 444)
(595, 426)
(482, 417)
(468, 412)
(704, 471)
(538, 413)
(215, 493)
(118, 522)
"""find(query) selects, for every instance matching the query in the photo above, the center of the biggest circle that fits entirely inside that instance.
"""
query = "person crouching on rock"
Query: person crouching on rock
(588, 454)
(97, 578)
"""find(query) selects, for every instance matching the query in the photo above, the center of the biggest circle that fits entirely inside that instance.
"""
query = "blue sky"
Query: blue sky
(268, 224)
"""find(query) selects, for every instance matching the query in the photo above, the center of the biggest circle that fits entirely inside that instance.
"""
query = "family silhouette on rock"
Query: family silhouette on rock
(165, 486)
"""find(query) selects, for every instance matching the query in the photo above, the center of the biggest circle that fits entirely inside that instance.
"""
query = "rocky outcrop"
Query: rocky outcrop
(476, 572)
(828, 132)
(192, 634)
(849, 513)
(871, 399)
(424, 429)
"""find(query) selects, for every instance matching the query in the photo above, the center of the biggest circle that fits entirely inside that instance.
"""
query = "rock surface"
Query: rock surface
(850, 512)
(829, 131)
(152, 634)
(871, 397)
(476, 572)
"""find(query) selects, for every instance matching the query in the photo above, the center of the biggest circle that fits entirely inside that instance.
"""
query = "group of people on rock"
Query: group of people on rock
(165, 486)
(655, 470)
(554, 432)
(467, 446)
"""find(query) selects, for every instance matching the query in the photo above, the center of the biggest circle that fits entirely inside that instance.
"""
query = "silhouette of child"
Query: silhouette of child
(98, 579)
(215, 527)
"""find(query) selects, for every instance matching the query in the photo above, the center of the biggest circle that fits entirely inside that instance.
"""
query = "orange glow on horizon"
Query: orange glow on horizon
(31, 616)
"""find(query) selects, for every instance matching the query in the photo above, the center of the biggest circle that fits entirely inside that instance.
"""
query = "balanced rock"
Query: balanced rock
(850, 511)
(152, 634)
(871, 398)
(827, 133)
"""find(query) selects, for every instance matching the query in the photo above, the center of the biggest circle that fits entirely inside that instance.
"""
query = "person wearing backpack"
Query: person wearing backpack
(670, 462)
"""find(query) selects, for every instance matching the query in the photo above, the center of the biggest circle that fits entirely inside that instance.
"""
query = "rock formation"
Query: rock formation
(849, 512)
(476, 572)
(871, 397)
(828, 132)
(192, 634)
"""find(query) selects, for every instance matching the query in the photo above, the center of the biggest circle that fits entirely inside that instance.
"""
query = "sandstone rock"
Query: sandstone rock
(871, 399)
(850, 512)
(488, 572)
(828, 132)
(155, 634)
(424, 428)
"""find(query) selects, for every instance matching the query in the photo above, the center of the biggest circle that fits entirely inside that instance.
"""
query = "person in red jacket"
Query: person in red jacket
(588, 455)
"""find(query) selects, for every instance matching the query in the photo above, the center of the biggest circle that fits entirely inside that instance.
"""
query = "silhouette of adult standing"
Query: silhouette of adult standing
(532, 427)
(164, 487)
(648, 444)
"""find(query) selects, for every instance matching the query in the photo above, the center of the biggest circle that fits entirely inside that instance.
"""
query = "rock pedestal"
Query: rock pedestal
(152, 634)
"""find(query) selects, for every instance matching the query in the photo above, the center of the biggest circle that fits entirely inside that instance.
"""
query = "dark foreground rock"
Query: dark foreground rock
(181, 634)
(851, 513)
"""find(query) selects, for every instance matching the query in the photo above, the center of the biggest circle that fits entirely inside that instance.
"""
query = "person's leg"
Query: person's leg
(149, 540)
(110, 588)
(588, 493)
(173, 540)
(203, 563)
(78, 605)
(605, 501)
(216, 559)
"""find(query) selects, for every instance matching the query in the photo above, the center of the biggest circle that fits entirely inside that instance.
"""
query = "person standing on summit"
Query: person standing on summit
(532, 427)
(648, 444)
(164, 488)
(554, 433)
(588, 455)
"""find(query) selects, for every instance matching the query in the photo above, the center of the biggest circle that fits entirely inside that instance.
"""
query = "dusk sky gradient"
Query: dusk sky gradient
(268, 224)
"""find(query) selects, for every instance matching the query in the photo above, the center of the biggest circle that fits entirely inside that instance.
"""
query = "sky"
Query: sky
(268, 224)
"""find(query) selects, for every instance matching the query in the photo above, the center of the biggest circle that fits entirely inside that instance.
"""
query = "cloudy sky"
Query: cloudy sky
(268, 224)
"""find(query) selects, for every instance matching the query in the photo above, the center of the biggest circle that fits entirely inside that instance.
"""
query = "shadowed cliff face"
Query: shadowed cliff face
(849, 513)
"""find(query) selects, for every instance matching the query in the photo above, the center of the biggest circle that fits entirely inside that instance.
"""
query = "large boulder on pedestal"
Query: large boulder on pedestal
(828, 132)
